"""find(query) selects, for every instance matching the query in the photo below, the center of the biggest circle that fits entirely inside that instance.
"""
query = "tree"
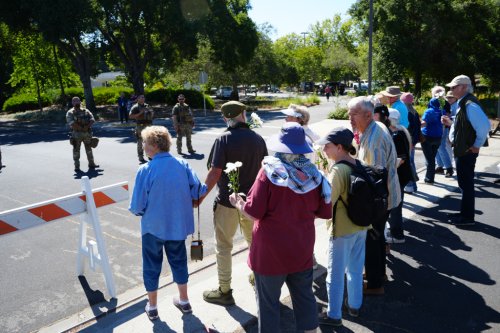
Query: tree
(232, 35)
(71, 27)
(6, 65)
(437, 39)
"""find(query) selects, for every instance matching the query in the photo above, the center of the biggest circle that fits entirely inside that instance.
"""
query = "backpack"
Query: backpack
(367, 198)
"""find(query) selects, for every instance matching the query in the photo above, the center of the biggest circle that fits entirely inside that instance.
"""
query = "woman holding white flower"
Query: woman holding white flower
(288, 194)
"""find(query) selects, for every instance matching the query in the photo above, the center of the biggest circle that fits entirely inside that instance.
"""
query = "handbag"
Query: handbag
(197, 244)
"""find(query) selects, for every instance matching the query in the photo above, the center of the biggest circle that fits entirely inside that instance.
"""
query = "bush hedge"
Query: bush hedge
(24, 102)
(340, 113)
(108, 96)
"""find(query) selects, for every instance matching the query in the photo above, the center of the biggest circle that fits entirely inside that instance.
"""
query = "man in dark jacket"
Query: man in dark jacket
(468, 133)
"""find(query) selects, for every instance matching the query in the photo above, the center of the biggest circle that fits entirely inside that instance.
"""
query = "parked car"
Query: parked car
(252, 89)
(224, 92)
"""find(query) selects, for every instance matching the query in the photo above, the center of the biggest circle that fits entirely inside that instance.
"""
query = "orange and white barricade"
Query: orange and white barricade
(83, 204)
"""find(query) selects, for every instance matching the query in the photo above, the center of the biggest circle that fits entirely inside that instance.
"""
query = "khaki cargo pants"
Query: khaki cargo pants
(226, 222)
(78, 138)
(184, 130)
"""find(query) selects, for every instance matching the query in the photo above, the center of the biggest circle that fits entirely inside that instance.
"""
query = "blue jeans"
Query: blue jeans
(268, 289)
(465, 177)
(152, 258)
(396, 218)
(346, 255)
(430, 147)
(445, 155)
(412, 185)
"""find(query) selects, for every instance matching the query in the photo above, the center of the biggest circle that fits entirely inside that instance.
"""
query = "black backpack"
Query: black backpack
(367, 196)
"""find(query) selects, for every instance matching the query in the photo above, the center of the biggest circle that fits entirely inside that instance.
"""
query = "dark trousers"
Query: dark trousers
(375, 254)
(465, 177)
(122, 112)
(430, 148)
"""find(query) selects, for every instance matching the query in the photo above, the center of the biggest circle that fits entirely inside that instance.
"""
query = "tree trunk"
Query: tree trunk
(407, 84)
(138, 81)
(418, 84)
(78, 55)
(59, 76)
(35, 76)
(235, 96)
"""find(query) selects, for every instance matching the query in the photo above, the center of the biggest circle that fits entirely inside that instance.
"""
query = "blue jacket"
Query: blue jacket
(432, 118)
(163, 194)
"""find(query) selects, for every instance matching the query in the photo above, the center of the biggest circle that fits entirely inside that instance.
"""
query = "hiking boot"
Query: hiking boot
(93, 166)
(439, 171)
(152, 314)
(216, 296)
(351, 311)
(372, 291)
(323, 319)
(192, 151)
(185, 308)
(449, 173)
(142, 160)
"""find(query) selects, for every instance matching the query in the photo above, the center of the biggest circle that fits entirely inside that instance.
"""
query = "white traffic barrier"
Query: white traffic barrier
(80, 203)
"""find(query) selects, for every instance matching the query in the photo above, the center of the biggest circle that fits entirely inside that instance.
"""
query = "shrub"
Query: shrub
(109, 95)
(23, 102)
(339, 113)
(169, 96)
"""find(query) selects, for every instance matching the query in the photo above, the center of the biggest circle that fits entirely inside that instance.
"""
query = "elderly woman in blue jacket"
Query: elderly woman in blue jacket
(432, 130)
(164, 192)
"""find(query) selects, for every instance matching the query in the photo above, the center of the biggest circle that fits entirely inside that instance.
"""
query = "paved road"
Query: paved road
(38, 279)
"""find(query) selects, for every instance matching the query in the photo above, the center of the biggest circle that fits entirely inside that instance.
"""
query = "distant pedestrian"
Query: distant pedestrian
(328, 92)
(122, 108)
(166, 215)
(468, 133)
(183, 120)
(286, 197)
(80, 120)
(143, 116)
(346, 253)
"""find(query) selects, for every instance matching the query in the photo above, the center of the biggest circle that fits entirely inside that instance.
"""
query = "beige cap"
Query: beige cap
(232, 109)
(457, 80)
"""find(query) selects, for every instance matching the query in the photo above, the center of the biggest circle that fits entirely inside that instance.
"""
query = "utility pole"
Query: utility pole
(304, 34)
(370, 50)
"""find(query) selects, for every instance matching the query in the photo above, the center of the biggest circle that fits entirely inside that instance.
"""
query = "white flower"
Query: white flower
(238, 164)
(230, 167)
(255, 120)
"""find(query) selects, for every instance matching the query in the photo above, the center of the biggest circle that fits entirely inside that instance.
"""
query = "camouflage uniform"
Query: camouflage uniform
(144, 121)
(185, 123)
(84, 119)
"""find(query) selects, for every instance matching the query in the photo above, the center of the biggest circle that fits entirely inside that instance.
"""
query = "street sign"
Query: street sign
(203, 77)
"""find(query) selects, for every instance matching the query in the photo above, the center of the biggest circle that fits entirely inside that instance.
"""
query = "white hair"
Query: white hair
(232, 122)
(438, 91)
(362, 102)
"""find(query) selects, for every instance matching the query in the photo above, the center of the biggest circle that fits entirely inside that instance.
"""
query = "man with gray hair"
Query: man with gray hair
(468, 133)
(376, 147)
(237, 144)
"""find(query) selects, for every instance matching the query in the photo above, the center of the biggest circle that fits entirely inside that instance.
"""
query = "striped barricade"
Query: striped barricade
(82, 204)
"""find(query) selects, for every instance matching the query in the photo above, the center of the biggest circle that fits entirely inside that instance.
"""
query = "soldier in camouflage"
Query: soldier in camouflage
(143, 116)
(183, 120)
(80, 121)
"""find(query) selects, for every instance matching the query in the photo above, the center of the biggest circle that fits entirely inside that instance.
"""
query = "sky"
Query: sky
(288, 16)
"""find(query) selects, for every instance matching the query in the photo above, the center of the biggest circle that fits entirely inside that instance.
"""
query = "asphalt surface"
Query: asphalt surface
(38, 281)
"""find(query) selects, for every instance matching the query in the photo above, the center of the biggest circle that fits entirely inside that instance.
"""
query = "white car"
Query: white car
(224, 92)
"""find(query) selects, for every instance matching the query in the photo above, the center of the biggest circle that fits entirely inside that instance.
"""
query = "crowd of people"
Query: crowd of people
(281, 194)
